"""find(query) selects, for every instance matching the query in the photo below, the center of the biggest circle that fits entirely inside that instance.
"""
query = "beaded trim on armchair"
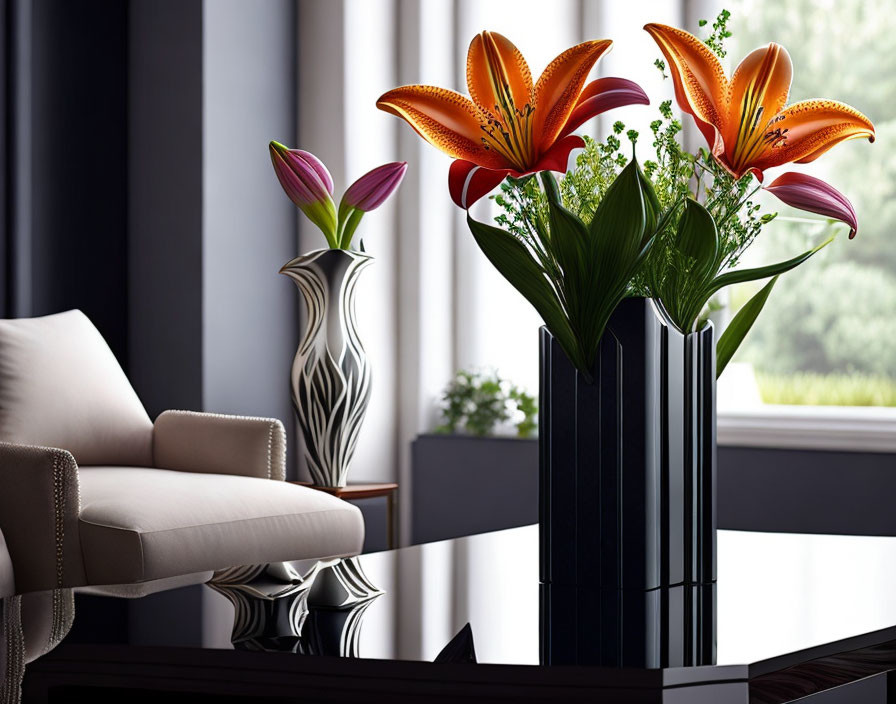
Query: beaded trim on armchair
(14, 645)
(276, 438)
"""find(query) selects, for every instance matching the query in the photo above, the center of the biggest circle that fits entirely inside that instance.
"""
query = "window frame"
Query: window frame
(846, 428)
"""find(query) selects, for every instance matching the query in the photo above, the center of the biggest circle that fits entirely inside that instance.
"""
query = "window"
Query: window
(434, 304)
(828, 333)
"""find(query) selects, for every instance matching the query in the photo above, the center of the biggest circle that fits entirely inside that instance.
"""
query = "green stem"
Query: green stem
(736, 208)
(348, 228)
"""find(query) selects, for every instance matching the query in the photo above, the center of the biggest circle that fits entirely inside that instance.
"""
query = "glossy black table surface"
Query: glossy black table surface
(799, 616)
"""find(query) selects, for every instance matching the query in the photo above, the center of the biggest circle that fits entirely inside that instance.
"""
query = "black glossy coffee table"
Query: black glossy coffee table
(800, 618)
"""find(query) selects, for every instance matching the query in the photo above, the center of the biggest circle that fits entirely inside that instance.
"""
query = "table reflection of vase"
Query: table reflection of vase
(330, 373)
(320, 613)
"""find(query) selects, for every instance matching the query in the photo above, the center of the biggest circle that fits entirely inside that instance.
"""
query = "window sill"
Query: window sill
(850, 429)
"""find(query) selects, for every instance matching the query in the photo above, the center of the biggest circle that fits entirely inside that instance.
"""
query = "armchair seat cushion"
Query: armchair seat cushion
(138, 524)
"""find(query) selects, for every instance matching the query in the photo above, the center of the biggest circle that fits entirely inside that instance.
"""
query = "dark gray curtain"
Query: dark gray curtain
(64, 181)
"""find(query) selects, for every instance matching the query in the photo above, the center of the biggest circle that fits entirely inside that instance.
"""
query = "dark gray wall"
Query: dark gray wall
(807, 491)
(466, 485)
(212, 324)
(463, 485)
(165, 202)
(376, 532)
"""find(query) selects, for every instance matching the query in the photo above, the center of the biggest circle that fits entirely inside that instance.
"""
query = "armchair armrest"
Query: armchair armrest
(39, 509)
(7, 586)
(220, 444)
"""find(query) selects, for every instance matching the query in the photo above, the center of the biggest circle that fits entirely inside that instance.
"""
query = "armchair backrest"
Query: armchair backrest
(61, 386)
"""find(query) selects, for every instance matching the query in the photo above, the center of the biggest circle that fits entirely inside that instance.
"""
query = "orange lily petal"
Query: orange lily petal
(757, 93)
(445, 119)
(494, 67)
(700, 83)
(806, 130)
(558, 88)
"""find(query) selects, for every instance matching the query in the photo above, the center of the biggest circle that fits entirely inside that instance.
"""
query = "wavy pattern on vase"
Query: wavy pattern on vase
(330, 374)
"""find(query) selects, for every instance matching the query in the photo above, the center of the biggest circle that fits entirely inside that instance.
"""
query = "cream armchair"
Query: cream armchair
(92, 492)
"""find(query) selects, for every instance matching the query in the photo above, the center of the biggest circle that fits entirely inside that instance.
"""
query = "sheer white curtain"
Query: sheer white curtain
(432, 303)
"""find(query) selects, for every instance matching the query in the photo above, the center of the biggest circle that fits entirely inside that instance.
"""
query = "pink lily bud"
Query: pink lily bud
(308, 184)
(372, 189)
(813, 195)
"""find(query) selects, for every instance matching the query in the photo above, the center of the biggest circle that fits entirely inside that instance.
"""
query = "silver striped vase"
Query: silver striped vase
(330, 373)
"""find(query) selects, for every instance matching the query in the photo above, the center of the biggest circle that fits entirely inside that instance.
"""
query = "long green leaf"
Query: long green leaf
(512, 259)
(569, 235)
(618, 227)
(698, 238)
(623, 225)
(651, 203)
(739, 326)
(763, 272)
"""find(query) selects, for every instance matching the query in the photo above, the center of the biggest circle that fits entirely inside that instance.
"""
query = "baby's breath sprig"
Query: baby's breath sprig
(720, 32)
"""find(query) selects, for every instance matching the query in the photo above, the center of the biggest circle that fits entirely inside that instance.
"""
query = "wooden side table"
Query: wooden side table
(366, 491)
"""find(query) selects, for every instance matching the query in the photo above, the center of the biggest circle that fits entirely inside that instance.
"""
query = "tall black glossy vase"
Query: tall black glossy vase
(628, 497)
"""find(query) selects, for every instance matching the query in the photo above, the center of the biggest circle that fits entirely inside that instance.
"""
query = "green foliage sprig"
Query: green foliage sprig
(720, 32)
(671, 274)
(477, 403)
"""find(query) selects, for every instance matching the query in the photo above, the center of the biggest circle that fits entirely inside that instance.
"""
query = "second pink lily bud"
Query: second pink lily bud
(309, 185)
(366, 194)
(374, 187)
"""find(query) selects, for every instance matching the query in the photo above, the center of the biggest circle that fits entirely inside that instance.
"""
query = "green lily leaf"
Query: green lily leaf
(569, 235)
(618, 235)
(763, 272)
(619, 224)
(652, 205)
(513, 260)
(739, 326)
(697, 238)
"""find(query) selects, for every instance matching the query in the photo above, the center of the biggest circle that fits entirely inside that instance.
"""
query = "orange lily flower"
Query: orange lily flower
(511, 127)
(744, 119)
